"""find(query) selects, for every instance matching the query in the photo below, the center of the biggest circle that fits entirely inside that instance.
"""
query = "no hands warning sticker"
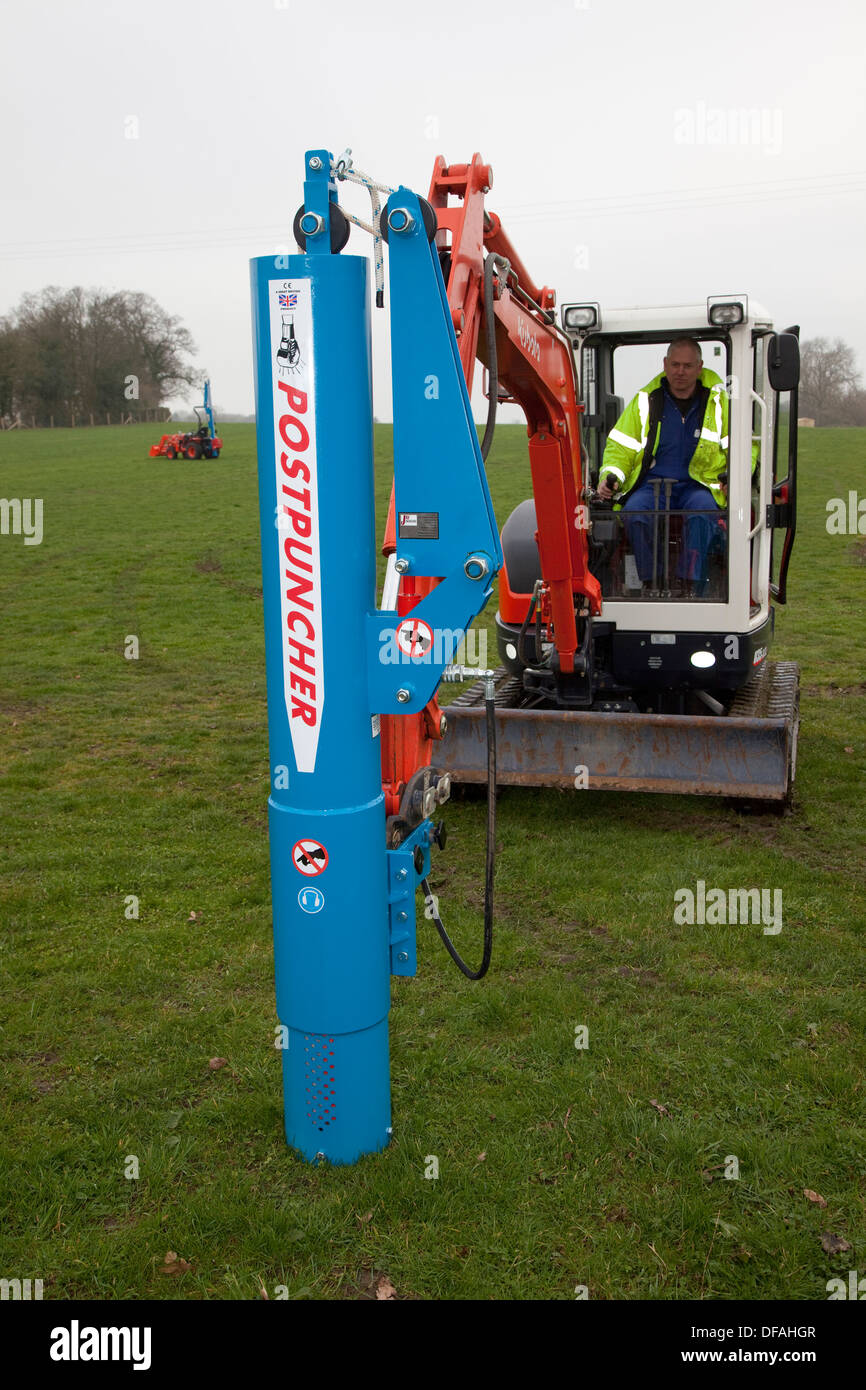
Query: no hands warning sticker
(414, 637)
(309, 857)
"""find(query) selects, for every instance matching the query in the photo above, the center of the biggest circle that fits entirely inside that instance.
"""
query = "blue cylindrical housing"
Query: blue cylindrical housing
(326, 808)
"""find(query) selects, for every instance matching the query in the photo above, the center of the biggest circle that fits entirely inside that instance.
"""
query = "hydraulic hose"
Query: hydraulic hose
(524, 627)
(487, 950)
(493, 262)
(533, 611)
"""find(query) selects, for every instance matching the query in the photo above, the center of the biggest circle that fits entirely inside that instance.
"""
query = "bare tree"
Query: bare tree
(829, 379)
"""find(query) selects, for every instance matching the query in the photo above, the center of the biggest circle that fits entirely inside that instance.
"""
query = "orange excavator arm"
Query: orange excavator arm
(490, 290)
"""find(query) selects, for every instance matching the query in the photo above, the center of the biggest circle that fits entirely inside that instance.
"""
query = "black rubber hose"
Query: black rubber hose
(539, 649)
(524, 627)
(493, 262)
(490, 862)
(541, 662)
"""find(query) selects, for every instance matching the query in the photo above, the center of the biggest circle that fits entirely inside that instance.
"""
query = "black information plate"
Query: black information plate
(419, 526)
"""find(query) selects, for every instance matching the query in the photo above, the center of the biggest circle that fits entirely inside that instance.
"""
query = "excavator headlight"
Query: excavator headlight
(703, 659)
(579, 316)
(722, 311)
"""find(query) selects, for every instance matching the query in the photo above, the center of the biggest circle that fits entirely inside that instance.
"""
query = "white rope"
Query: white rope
(344, 170)
(359, 222)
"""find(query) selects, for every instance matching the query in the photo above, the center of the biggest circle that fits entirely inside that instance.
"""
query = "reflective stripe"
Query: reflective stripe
(610, 468)
(625, 439)
(724, 442)
(643, 407)
(711, 435)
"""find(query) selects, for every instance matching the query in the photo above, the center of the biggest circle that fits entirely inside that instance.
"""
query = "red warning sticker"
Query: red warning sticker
(414, 637)
(309, 857)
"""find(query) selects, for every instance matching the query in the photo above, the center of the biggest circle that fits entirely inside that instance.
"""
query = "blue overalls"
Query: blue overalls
(677, 440)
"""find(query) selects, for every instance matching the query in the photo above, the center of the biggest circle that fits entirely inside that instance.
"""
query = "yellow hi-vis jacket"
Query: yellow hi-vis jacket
(626, 443)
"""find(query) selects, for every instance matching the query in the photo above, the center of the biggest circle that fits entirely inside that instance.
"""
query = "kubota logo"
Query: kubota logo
(528, 341)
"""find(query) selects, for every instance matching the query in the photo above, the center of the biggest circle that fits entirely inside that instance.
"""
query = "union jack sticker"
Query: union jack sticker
(288, 301)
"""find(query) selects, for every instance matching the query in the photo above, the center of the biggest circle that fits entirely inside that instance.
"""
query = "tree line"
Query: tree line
(66, 355)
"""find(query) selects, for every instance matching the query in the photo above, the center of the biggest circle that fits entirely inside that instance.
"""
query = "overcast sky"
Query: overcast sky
(158, 145)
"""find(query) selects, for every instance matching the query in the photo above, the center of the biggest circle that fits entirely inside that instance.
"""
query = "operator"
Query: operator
(675, 429)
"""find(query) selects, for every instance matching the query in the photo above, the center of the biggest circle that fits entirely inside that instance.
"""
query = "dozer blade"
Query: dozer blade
(749, 752)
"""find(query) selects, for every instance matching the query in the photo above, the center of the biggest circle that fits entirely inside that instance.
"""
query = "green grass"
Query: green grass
(150, 777)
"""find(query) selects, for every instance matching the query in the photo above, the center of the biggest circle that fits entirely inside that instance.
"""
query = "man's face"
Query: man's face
(682, 369)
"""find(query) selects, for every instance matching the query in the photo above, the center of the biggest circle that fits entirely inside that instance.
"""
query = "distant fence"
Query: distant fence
(158, 414)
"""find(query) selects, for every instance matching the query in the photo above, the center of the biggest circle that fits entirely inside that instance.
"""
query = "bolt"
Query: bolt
(401, 220)
(402, 917)
(404, 695)
(401, 874)
(312, 224)
(315, 162)
(401, 566)
(403, 956)
(476, 567)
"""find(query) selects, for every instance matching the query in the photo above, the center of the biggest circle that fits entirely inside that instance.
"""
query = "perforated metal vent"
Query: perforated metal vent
(320, 1087)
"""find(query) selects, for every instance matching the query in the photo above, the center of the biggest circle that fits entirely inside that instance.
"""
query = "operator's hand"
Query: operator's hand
(604, 491)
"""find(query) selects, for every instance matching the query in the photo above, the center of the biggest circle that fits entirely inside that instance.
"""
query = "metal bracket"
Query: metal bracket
(319, 191)
(446, 525)
(779, 515)
(403, 879)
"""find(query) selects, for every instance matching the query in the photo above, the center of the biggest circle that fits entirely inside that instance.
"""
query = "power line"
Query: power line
(603, 205)
(676, 200)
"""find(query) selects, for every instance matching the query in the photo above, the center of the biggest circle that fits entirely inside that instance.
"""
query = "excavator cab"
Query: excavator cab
(687, 613)
(661, 551)
(683, 695)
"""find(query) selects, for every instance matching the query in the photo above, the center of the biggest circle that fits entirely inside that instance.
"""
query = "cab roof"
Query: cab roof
(671, 318)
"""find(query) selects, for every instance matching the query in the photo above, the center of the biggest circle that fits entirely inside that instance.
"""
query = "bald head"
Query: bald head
(683, 365)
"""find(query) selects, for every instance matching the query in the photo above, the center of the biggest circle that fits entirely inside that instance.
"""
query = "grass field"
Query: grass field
(558, 1167)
